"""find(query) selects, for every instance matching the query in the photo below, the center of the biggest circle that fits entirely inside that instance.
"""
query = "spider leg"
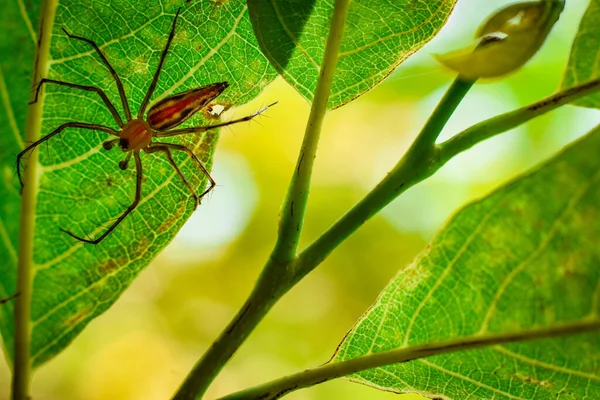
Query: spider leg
(100, 92)
(7, 299)
(125, 163)
(158, 69)
(83, 125)
(198, 129)
(194, 157)
(138, 195)
(167, 152)
(110, 143)
(110, 69)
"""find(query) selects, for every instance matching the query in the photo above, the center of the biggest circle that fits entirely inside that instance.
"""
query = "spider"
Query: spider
(138, 134)
(7, 299)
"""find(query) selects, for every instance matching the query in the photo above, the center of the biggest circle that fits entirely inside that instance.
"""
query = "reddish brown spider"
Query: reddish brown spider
(136, 134)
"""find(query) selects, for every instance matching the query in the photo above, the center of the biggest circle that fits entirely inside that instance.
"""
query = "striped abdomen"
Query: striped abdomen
(174, 110)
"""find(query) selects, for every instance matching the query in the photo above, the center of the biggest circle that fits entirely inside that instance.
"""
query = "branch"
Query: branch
(280, 387)
(294, 207)
(419, 162)
(504, 122)
(274, 280)
(22, 334)
(283, 270)
(417, 165)
(442, 113)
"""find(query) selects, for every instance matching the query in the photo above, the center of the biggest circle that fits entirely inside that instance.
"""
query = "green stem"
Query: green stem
(280, 387)
(279, 276)
(283, 271)
(272, 283)
(442, 113)
(294, 207)
(21, 381)
(422, 160)
(206, 369)
(504, 122)
(419, 162)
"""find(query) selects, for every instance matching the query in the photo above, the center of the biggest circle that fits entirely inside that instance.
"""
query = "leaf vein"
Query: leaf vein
(470, 380)
(9, 111)
(541, 247)
(105, 44)
(451, 265)
(293, 39)
(27, 21)
(77, 245)
(211, 53)
(6, 240)
(394, 35)
(541, 364)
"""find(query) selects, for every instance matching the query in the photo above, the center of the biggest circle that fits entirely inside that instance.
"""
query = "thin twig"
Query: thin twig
(314, 376)
(274, 279)
(22, 340)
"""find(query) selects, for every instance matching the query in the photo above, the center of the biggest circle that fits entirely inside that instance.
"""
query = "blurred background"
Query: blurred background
(144, 346)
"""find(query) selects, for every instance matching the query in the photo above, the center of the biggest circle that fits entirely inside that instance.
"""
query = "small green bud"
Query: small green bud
(508, 39)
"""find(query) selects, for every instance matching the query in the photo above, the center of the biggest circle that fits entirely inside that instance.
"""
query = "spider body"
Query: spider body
(168, 113)
(176, 109)
(138, 134)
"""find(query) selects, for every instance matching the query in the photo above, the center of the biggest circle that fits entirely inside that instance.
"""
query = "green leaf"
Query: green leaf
(583, 62)
(81, 187)
(524, 257)
(379, 35)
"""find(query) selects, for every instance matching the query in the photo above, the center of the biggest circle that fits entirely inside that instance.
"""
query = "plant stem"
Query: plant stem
(294, 207)
(442, 113)
(422, 160)
(273, 282)
(504, 122)
(419, 162)
(206, 369)
(21, 381)
(280, 387)
(283, 270)
(278, 276)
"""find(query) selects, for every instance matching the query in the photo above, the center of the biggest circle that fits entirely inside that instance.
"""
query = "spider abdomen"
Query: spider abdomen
(175, 109)
(135, 135)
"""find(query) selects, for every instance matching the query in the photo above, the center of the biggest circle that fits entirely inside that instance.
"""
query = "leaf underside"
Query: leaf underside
(378, 36)
(81, 187)
(524, 257)
(585, 55)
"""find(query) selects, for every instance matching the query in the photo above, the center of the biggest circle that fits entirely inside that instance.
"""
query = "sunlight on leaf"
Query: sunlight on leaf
(524, 257)
(81, 187)
(585, 54)
(378, 36)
